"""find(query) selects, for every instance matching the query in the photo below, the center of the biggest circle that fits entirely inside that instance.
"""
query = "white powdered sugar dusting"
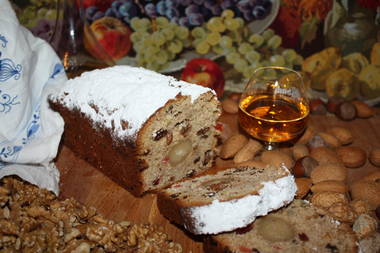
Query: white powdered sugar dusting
(226, 216)
(120, 94)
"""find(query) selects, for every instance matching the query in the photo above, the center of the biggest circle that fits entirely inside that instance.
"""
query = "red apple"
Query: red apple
(108, 38)
(205, 72)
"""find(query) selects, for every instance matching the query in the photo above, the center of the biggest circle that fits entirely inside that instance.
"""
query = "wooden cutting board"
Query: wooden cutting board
(89, 186)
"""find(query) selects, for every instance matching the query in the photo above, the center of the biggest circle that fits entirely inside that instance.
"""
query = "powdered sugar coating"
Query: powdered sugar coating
(226, 216)
(120, 94)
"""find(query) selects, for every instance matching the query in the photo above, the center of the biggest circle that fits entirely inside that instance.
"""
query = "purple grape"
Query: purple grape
(90, 12)
(244, 5)
(97, 15)
(227, 4)
(185, 2)
(209, 4)
(150, 10)
(198, 2)
(191, 9)
(206, 13)
(116, 4)
(216, 10)
(196, 19)
(171, 3)
(109, 13)
(125, 8)
(171, 13)
(259, 12)
(161, 8)
(247, 15)
(128, 10)
(184, 21)
(44, 29)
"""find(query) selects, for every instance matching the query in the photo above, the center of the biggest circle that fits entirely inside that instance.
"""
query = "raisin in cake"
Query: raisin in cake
(226, 200)
(295, 228)
(142, 129)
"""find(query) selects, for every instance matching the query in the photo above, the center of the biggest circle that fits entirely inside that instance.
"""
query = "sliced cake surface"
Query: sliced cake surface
(227, 200)
(291, 229)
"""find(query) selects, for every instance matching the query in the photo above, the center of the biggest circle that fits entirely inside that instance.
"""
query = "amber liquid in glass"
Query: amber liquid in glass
(273, 120)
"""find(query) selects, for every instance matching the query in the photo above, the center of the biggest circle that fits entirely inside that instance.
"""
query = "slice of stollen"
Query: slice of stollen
(295, 228)
(227, 200)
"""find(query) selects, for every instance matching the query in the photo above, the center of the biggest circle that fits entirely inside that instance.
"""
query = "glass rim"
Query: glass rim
(278, 68)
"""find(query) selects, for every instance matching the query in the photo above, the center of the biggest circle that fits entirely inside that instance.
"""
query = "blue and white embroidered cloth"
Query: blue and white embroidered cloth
(29, 131)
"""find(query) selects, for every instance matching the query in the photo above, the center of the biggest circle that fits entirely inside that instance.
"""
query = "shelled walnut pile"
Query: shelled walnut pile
(34, 220)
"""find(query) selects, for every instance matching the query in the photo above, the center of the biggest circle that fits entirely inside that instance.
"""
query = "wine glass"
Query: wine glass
(274, 107)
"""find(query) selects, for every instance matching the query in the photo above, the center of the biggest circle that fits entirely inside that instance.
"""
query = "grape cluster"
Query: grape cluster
(157, 42)
(124, 10)
(37, 10)
(227, 35)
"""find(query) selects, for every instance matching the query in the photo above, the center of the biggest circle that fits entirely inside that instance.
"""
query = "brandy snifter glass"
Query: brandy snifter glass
(274, 107)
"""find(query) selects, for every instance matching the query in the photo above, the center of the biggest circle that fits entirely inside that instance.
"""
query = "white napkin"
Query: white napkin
(30, 131)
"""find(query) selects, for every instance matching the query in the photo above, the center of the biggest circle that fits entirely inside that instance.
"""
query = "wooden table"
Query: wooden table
(89, 186)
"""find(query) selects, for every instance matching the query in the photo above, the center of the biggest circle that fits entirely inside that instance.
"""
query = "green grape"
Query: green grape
(162, 57)
(145, 24)
(244, 48)
(267, 34)
(213, 38)
(247, 73)
(270, 73)
(168, 33)
(198, 32)
(277, 60)
(265, 63)
(186, 43)
(197, 41)
(218, 50)
(236, 36)
(51, 14)
(289, 55)
(202, 48)
(182, 32)
(153, 65)
(228, 13)
(225, 42)
(274, 42)
(215, 24)
(240, 65)
(256, 39)
(42, 12)
(158, 38)
(253, 56)
(232, 57)
(232, 24)
(298, 60)
(135, 23)
(240, 22)
(162, 22)
(175, 46)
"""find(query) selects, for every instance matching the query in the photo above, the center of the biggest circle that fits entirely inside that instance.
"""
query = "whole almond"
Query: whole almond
(277, 158)
(374, 157)
(248, 152)
(326, 172)
(299, 151)
(330, 140)
(232, 145)
(230, 106)
(363, 110)
(331, 186)
(303, 186)
(352, 157)
(342, 134)
(325, 155)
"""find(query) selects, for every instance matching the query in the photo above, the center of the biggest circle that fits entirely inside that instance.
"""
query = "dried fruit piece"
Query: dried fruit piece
(352, 157)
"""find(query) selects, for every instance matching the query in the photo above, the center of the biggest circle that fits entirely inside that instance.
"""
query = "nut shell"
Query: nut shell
(374, 157)
(248, 152)
(363, 110)
(230, 106)
(277, 158)
(232, 145)
(325, 155)
(303, 187)
(368, 191)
